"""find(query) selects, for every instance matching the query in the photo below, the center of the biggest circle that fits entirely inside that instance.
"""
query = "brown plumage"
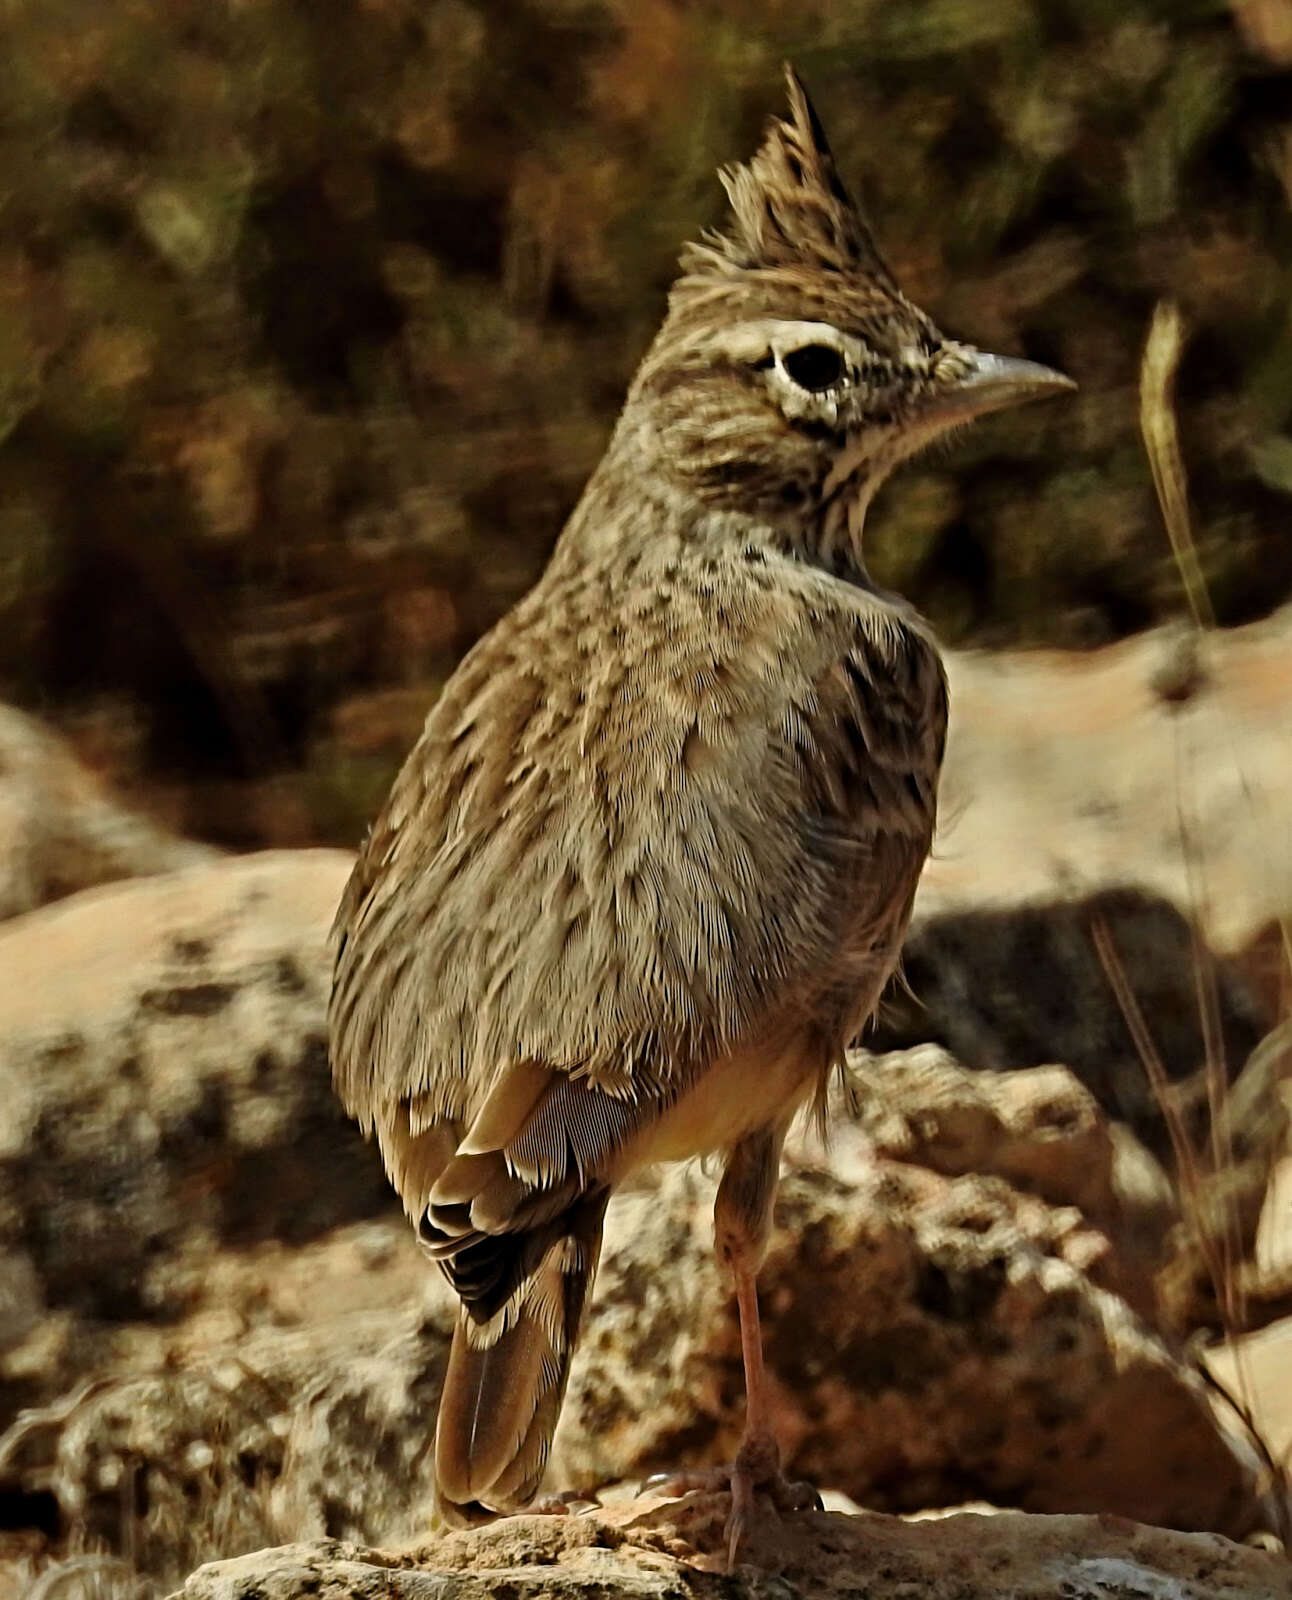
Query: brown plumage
(650, 864)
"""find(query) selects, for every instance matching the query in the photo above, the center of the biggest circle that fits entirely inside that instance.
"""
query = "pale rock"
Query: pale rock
(929, 1339)
(1070, 771)
(61, 830)
(658, 1550)
(164, 1085)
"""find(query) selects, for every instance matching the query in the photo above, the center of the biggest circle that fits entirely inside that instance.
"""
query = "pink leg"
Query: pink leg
(742, 1222)
(758, 1461)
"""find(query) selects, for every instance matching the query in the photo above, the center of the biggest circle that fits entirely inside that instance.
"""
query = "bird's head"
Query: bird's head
(791, 373)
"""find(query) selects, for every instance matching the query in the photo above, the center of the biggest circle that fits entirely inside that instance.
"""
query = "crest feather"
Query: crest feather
(789, 205)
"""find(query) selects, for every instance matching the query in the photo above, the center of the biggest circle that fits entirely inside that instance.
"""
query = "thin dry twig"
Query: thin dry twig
(1227, 1241)
(1186, 1162)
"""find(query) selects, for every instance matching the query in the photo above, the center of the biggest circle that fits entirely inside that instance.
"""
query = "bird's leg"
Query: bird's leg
(758, 1461)
(742, 1224)
(742, 1218)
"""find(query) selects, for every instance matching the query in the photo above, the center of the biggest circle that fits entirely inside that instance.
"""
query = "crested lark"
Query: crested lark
(651, 862)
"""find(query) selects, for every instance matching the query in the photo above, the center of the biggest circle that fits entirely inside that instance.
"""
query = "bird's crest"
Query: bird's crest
(789, 206)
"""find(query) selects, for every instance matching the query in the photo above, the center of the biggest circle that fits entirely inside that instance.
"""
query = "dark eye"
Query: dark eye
(814, 366)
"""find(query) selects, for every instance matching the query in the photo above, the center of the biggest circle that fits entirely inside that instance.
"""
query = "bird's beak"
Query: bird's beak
(986, 383)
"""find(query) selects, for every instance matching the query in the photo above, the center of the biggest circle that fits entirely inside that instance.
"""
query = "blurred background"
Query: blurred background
(314, 318)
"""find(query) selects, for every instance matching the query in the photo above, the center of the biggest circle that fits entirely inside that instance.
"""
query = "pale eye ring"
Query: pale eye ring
(814, 367)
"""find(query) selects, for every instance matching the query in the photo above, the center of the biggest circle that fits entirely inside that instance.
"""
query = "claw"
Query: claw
(742, 1504)
(675, 1484)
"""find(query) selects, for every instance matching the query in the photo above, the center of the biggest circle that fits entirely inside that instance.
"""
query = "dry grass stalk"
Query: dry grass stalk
(1220, 1247)
(194, 1485)
(1162, 442)
(1188, 1169)
(90, 1577)
(1220, 1257)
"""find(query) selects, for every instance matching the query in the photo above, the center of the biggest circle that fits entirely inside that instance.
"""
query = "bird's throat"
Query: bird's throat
(835, 540)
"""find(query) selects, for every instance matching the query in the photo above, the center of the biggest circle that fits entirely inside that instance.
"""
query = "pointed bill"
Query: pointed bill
(990, 383)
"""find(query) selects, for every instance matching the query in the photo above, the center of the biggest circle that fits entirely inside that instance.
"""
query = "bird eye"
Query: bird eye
(813, 366)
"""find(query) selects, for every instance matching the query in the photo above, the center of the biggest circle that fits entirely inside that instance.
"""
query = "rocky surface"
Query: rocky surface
(1256, 1369)
(667, 1550)
(295, 1398)
(930, 1339)
(164, 1093)
(930, 1336)
(1024, 984)
(216, 1332)
(61, 830)
(1161, 763)
(1050, 1133)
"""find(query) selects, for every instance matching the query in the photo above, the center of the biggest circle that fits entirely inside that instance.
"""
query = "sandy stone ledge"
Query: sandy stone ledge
(672, 1549)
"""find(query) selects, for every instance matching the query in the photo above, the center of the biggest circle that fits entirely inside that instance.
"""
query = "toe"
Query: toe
(788, 1495)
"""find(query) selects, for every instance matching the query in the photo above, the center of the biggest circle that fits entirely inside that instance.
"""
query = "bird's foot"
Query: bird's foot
(757, 1467)
(568, 1503)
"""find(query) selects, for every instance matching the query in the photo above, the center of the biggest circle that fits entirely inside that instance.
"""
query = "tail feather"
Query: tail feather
(506, 1377)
